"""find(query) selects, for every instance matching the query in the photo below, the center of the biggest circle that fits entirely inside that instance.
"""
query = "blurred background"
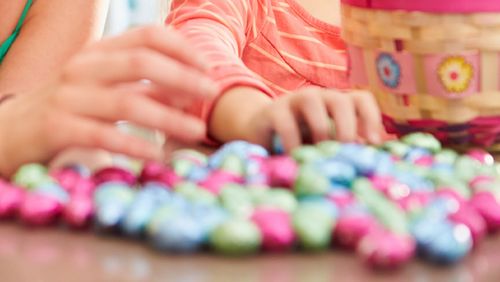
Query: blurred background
(125, 14)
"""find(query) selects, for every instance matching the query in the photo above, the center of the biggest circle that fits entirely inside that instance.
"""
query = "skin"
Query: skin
(70, 91)
(355, 114)
(52, 32)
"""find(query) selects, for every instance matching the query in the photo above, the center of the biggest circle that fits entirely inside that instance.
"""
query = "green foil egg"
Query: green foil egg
(236, 237)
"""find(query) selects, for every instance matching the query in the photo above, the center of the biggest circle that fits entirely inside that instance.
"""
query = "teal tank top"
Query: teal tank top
(4, 48)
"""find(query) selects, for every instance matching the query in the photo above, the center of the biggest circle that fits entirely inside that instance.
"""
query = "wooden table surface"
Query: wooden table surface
(56, 254)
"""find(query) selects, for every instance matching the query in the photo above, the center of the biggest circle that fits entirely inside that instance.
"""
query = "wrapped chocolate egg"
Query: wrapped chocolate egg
(195, 194)
(329, 148)
(441, 241)
(313, 226)
(422, 140)
(236, 200)
(11, 198)
(388, 213)
(208, 216)
(73, 180)
(469, 217)
(351, 227)
(216, 181)
(336, 171)
(112, 201)
(397, 148)
(142, 208)
(242, 149)
(157, 172)
(180, 233)
(276, 228)
(114, 174)
(481, 156)
(311, 182)
(281, 171)
(31, 175)
(383, 249)
(274, 198)
(233, 163)
(488, 207)
(236, 237)
(183, 161)
(363, 158)
(39, 209)
(306, 154)
(79, 211)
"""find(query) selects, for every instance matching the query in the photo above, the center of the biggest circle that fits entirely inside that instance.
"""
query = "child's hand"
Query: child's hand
(81, 106)
(354, 114)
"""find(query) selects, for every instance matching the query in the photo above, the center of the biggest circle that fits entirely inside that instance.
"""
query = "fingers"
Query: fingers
(369, 115)
(342, 109)
(175, 79)
(285, 125)
(81, 132)
(165, 41)
(311, 107)
(111, 105)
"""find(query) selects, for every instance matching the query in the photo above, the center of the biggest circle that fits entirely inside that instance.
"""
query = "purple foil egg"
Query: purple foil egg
(215, 181)
(38, 209)
(11, 198)
(488, 207)
(281, 170)
(114, 174)
(78, 211)
(383, 249)
(157, 172)
(276, 228)
(471, 218)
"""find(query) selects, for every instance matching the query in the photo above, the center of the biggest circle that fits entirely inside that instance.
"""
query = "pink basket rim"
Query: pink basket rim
(432, 6)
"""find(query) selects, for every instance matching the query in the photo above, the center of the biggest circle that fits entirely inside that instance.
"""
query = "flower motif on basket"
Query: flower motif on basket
(455, 73)
(388, 70)
(452, 76)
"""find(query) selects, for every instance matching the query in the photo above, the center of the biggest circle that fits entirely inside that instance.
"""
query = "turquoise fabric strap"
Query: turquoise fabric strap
(4, 48)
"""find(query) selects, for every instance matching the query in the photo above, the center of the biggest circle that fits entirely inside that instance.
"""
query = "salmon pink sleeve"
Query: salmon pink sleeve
(220, 30)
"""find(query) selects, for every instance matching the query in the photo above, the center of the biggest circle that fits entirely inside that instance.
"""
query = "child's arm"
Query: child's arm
(51, 33)
(243, 114)
(220, 29)
(245, 110)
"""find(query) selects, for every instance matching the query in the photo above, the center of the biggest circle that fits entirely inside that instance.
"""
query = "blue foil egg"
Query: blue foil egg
(145, 203)
(336, 171)
(111, 201)
(54, 190)
(362, 158)
(181, 233)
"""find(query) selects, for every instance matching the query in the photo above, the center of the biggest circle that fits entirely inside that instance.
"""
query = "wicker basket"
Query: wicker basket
(434, 65)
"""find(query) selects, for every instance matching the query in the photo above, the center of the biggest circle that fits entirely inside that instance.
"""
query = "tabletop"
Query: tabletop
(56, 254)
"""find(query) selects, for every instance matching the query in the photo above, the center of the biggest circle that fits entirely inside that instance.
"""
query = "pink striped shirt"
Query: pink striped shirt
(275, 46)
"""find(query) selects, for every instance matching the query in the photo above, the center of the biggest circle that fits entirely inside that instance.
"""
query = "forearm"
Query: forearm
(53, 31)
(233, 111)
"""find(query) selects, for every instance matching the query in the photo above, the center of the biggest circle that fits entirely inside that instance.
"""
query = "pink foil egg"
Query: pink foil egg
(482, 156)
(112, 174)
(487, 206)
(415, 201)
(11, 198)
(479, 181)
(425, 161)
(157, 172)
(341, 199)
(452, 194)
(473, 220)
(383, 249)
(215, 181)
(382, 183)
(73, 182)
(276, 228)
(351, 228)
(39, 209)
(281, 170)
(78, 212)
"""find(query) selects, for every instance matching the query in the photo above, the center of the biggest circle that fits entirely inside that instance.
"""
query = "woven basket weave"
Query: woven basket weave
(431, 69)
